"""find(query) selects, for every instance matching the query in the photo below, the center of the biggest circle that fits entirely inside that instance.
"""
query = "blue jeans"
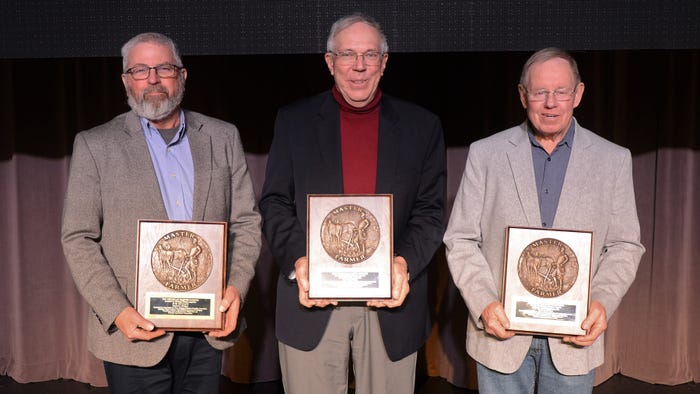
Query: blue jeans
(537, 372)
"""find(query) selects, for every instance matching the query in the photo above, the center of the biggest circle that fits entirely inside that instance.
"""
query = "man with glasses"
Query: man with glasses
(160, 162)
(548, 172)
(354, 139)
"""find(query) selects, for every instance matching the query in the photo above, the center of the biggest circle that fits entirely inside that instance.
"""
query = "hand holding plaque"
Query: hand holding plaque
(546, 281)
(350, 246)
(181, 274)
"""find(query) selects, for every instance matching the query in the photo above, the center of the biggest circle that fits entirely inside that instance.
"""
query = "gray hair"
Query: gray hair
(153, 38)
(548, 54)
(346, 21)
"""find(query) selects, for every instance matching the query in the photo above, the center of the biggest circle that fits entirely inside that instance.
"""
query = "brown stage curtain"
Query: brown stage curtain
(645, 100)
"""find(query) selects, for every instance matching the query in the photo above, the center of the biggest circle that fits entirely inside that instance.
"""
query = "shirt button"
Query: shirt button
(546, 191)
(549, 159)
(544, 224)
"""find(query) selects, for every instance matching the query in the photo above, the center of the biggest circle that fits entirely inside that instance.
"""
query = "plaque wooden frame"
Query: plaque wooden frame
(355, 228)
(171, 258)
(553, 306)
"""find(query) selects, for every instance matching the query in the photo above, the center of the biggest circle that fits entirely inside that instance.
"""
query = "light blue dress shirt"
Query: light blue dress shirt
(174, 169)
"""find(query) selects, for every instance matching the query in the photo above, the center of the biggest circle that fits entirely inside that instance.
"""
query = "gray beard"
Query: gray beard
(155, 110)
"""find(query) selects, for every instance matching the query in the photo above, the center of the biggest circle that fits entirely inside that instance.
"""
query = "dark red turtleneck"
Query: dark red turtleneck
(359, 139)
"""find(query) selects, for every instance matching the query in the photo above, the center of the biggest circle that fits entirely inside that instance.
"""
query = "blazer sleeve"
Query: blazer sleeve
(470, 270)
(622, 249)
(278, 204)
(426, 224)
(244, 241)
(81, 233)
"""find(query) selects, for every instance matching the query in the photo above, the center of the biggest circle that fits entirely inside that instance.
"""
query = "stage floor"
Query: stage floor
(616, 385)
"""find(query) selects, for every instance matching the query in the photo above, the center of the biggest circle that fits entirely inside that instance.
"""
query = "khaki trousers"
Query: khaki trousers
(351, 331)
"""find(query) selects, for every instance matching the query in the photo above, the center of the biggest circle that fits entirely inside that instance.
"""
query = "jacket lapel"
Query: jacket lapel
(142, 166)
(388, 148)
(200, 146)
(577, 173)
(328, 137)
(520, 161)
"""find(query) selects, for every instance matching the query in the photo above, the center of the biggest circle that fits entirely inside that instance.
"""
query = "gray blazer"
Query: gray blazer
(498, 190)
(112, 184)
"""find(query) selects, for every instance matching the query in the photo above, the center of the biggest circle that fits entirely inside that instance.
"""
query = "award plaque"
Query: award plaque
(181, 274)
(546, 280)
(350, 246)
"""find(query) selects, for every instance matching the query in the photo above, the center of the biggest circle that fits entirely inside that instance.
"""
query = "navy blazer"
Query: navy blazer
(305, 158)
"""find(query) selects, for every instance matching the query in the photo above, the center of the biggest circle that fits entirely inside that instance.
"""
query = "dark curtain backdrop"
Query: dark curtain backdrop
(648, 101)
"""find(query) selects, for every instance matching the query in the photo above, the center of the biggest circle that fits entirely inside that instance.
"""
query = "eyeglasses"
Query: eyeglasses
(346, 58)
(542, 94)
(141, 71)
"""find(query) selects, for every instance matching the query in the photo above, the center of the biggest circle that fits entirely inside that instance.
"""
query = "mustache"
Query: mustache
(155, 89)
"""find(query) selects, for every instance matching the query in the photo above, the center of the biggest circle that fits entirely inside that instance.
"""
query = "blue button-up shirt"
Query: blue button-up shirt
(174, 169)
(550, 170)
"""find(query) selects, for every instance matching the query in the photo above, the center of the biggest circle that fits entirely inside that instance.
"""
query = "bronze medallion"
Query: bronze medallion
(181, 260)
(350, 234)
(547, 268)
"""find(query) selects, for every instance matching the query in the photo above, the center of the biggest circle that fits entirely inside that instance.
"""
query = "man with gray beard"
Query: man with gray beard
(158, 162)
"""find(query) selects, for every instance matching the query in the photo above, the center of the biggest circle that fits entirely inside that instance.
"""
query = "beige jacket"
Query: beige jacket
(498, 190)
(112, 184)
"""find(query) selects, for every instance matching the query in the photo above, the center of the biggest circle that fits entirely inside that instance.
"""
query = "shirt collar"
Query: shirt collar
(345, 106)
(149, 129)
(568, 139)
